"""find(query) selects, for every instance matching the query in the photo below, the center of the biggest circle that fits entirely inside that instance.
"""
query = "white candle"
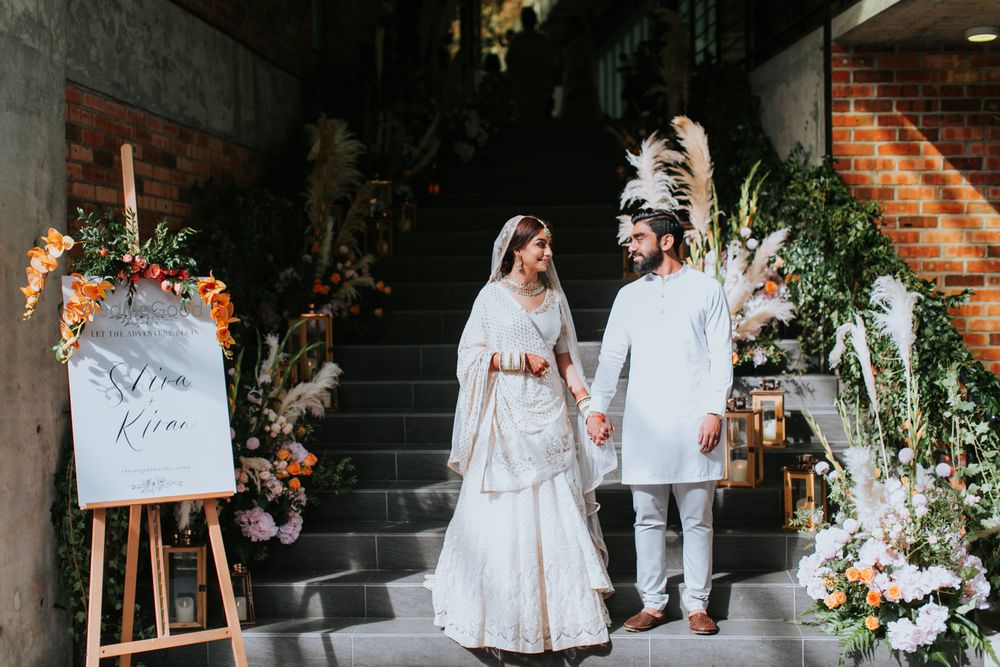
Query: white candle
(770, 429)
(738, 470)
(184, 609)
(241, 607)
(802, 504)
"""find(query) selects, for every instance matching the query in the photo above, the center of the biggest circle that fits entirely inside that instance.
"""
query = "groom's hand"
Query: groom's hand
(598, 428)
(709, 433)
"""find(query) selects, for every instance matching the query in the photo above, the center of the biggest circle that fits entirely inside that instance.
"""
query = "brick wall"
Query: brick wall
(170, 159)
(280, 32)
(917, 127)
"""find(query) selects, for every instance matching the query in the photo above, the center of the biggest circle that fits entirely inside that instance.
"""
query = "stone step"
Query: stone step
(810, 391)
(416, 430)
(410, 545)
(424, 500)
(491, 219)
(401, 594)
(480, 243)
(449, 268)
(432, 361)
(460, 295)
(435, 326)
(430, 464)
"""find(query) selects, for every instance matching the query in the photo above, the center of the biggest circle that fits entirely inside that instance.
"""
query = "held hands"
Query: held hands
(709, 433)
(535, 364)
(520, 362)
(599, 428)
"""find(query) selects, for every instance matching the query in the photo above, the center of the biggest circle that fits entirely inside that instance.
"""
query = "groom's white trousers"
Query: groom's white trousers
(694, 504)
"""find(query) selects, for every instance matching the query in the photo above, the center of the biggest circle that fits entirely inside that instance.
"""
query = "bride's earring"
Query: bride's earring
(518, 264)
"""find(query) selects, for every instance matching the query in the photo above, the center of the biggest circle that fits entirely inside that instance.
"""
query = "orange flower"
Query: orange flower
(736, 358)
(378, 312)
(852, 574)
(310, 460)
(771, 287)
(874, 598)
(867, 574)
(831, 601)
(320, 288)
(56, 243)
(209, 287)
(893, 593)
(355, 309)
(841, 597)
(294, 484)
(872, 623)
(335, 279)
(41, 261)
(283, 454)
(388, 290)
(36, 280)
(294, 468)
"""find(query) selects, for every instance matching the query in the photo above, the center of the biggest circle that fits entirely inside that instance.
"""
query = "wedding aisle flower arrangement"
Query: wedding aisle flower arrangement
(271, 423)
(750, 267)
(111, 258)
(897, 563)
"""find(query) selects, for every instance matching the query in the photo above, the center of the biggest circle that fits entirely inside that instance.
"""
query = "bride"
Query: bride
(523, 566)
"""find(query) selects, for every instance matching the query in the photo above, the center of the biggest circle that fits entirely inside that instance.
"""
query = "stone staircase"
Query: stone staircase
(349, 592)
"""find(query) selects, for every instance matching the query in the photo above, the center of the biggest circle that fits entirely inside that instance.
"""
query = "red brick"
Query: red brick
(874, 163)
(874, 135)
(944, 61)
(856, 178)
(984, 237)
(898, 178)
(916, 76)
(840, 76)
(960, 76)
(962, 133)
(966, 163)
(916, 134)
(941, 178)
(980, 207)
(984, 60)
(941, 236)
(943, 120)
(873, 193)
(74, 171)
(967, 310)
(905, 207)
(984, 177)
(876, 76)
(841, 106)
(852, 91)
(896, 148)
(962, 250)
(898, 61)
(80, 153)
(959, 193)
(943, 207)
(872, 106)
(840, 135)
(915, 193)
(902, 235)
(942, 266)
(984, 324)
(964, 104)
(73, 94)
(849, 61)
(917, 105)
(106, 195)
(940, 148)
(974, 338)
(925, 221)
(853, 149)
(917, 251)
(983, 266)
(853, 120)
(893, 120)
(983, 148)
(963, 281)
(82, 190)
(959, 222)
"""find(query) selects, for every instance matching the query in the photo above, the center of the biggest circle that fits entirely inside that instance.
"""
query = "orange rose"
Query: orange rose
(852, 574)
(841, 597)
(355, 309)
(283, 454)
(320, 288)
(874, 599)
(867, 574)
(831, 601)
(872, 623)
(294, 484)
(893, 593)
(771, 287)
(335, 279)
(310, 460)
(306, 472)
(294, 468)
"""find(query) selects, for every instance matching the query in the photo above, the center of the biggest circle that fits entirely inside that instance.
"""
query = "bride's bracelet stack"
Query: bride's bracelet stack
(583, 406)
(511, 361)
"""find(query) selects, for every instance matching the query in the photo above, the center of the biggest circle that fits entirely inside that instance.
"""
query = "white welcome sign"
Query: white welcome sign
(149, 406)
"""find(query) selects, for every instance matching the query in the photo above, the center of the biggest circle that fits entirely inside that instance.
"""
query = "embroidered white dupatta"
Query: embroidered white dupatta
(522, 419)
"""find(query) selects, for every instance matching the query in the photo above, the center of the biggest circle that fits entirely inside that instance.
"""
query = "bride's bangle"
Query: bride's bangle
(511, 361)
(583, 406)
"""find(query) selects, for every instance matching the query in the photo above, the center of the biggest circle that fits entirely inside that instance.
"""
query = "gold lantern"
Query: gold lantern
(804, 490)
(378, 235)
(315, 336)
(744, 455)
(185, 565)
(770, 400)
(407, 221)
(243, 593)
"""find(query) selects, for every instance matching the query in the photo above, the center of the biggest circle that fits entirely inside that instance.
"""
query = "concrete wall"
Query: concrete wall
(150, 54)
(33, 405)
(790, 87)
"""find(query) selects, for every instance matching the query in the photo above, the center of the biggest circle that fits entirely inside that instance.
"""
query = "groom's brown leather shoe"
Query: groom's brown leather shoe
(702, 624)
(643, 621)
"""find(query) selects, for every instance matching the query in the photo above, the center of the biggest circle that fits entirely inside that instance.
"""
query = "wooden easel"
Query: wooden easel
(163, 639)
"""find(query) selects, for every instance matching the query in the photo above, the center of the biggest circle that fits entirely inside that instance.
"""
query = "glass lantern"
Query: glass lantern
(243, 592)
(407, 220)
(744, 466)
(770, 400)
(185, 566)
(804, 490)
(315, 335)
(378, 235)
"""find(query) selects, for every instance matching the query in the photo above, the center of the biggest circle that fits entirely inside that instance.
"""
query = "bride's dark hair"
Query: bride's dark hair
(525, 230)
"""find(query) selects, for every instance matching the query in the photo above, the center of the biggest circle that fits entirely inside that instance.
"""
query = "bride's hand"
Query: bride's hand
(537, 365)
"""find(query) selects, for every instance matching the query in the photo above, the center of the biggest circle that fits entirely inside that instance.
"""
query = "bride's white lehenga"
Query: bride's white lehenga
(523, 567)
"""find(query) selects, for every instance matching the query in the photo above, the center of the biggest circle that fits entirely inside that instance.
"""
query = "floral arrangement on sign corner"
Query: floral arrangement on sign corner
(112, 256)
(896, 563)
(270, 422)
(752, 271)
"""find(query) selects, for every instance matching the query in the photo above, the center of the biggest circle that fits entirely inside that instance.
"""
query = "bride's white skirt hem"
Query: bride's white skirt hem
(584, 639)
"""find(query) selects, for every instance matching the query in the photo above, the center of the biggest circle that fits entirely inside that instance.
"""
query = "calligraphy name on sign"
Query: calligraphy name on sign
(148, 395)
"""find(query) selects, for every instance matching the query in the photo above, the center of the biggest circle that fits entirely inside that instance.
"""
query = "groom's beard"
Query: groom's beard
(643, 263)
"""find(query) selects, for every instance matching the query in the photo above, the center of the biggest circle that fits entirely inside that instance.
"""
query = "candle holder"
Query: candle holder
(770, 400)
(315, 336)
(243, 592)
(185, 582)
(744, 456)
(804, 490)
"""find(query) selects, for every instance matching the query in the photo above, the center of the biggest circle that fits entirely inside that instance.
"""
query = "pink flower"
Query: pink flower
(127, 258)
(253, 443)
(165, 286)
(256, 524)
(289, 531)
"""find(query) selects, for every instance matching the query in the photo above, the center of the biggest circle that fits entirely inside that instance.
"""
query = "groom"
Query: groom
(675, 322)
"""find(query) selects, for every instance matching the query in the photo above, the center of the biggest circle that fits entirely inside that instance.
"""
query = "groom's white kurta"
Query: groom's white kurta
(678, 330)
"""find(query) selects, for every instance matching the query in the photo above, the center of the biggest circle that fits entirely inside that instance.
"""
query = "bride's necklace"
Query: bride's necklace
(532, 289)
